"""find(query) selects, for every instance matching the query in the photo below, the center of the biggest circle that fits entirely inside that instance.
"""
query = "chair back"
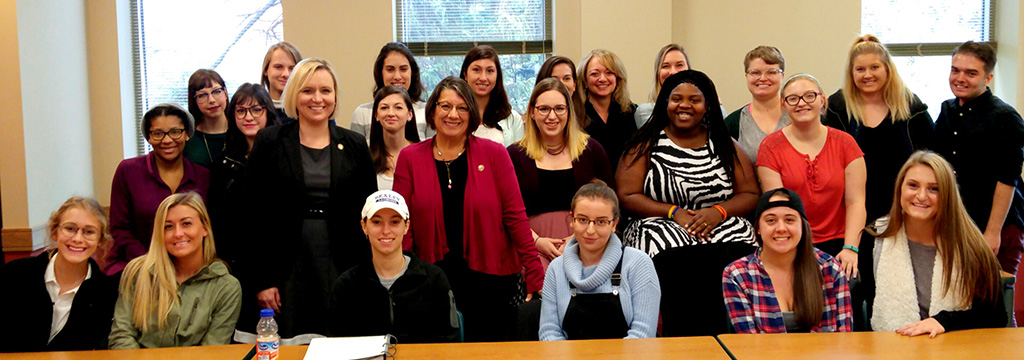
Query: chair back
(692, 303)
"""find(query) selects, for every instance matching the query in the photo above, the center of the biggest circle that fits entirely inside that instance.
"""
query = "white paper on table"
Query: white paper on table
(347, 348)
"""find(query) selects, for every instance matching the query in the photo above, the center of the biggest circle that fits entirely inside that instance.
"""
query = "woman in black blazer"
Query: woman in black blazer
(60, 300)
(307, 172)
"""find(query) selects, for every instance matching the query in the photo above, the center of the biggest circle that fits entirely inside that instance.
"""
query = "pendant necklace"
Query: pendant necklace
(447, 163)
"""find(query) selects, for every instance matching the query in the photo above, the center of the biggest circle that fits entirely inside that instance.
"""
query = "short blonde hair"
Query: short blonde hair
(613, 63)
(300, 76)
(285, 46)
(94, 208)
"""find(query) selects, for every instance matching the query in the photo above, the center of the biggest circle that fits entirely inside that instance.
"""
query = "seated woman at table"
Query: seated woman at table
(142, 182)
(685, 175)
(179, 293)
(395, 293)
(787, 285)
(933, 270)
(393, 128)
(43, 292)
(552, 161)
(599, 289)
(822, 164)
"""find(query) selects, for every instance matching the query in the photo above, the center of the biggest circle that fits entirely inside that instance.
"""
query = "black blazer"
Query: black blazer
(275, 173)
(29, 310)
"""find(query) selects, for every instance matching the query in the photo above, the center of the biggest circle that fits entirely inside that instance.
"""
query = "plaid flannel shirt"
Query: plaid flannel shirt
(753, 307)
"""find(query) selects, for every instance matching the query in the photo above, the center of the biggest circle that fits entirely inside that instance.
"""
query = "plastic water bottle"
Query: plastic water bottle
(267, 340)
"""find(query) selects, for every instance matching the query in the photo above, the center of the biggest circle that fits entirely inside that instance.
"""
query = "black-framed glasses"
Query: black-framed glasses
(255, 111)
(585, 222)
(70, 229)
(447, 108)
(204, 97)
(757, 73)
(793, 100)
(158, 135)
(544, 111)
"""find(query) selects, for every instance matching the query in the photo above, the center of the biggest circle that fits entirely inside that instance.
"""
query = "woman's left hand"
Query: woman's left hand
(926, 326)
(848, 261)
(703, 221)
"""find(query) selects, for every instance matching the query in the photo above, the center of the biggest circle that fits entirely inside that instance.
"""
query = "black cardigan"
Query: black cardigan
(29, 310)
(274, 176)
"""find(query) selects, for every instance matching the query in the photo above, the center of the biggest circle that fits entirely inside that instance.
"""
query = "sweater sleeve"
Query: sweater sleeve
(361, 121)
(444, 320)
(737, 304)
(550, 322)
(125, 246)
(980, 315)
(645, 294)
(403, 186)
(224, 316)
(123, 334)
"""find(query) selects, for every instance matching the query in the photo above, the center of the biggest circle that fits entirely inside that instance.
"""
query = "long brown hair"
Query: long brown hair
(958, 239)
(808, 299)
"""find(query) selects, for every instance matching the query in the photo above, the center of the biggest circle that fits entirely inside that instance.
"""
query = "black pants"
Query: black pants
(484, 300)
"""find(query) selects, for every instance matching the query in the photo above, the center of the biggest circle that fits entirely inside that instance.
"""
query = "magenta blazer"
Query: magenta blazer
(497, 238)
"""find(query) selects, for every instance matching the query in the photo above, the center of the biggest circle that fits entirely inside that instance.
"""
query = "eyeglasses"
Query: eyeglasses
(544, 111)
(71, 229)
(204, 97)
(598, 223)
(792, 100)
(255, 111)
(758, 73)
(158, 135)
(447, 108)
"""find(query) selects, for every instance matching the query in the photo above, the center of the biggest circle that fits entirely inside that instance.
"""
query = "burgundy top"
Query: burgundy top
(136, 192)
(821, 183)
(496, 237)
(592, 163)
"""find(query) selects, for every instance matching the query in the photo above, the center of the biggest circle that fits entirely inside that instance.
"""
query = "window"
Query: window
(440, 32)
(921, 35)
(173, 39)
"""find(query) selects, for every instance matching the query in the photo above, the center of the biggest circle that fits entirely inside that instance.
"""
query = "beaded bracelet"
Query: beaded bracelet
(721, 210)
(851, 247)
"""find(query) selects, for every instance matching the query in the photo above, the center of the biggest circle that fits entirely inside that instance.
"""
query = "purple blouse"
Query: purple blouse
(136, 192)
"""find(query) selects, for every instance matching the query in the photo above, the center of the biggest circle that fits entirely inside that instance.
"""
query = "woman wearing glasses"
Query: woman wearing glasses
(599, 289)
(749, 124)
(306, 172)
(45, 291)
(552, 161)
(470, 215)
(207, 99)
(823, 165)
(482, 71)
(142, 182)
(684, 175)
(888, 121)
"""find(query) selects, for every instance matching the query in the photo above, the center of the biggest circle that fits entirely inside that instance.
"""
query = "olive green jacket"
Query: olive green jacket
(208, 306)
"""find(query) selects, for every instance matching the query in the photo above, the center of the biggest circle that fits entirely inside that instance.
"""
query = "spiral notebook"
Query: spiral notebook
(348, 348)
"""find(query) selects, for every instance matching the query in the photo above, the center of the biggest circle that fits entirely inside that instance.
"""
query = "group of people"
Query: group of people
(471, 211)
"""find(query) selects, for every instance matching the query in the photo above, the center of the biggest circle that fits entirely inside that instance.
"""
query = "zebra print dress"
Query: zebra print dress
(693, 179)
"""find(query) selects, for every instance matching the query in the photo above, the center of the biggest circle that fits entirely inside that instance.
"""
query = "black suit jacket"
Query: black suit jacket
(29, 311)
(274, 177)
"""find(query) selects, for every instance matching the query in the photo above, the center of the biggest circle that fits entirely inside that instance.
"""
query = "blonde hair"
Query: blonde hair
(804, 77)
(303, 71)
(958, 239)
(613, 63)
(94, 208)
(573, 136)
(895, 93)
(285, 46)
(656, 87)
(151, 277)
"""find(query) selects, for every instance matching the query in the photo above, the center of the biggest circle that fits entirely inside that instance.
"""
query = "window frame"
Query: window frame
(458, 48)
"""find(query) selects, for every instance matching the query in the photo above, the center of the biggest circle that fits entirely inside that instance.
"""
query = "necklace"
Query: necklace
(555, 150)
(448, 163)
(208, 153)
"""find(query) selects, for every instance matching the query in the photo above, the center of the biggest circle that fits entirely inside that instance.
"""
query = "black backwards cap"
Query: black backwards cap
(793, 202)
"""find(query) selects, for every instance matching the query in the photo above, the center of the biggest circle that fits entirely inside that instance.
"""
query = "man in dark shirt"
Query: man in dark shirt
(983, 137)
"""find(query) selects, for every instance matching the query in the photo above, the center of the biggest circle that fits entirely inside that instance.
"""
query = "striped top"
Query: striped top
(691, 178)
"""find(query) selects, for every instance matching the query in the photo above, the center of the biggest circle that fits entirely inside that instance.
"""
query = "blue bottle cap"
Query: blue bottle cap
(267, 313)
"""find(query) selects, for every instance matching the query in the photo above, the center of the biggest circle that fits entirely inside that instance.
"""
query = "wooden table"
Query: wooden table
(702, 347)
(1002, 343)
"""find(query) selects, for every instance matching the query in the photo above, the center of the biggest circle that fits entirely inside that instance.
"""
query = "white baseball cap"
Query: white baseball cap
(385, 199)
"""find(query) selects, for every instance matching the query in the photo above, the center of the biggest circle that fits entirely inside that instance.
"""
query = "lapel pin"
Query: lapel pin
(481, 168)
(341, 147)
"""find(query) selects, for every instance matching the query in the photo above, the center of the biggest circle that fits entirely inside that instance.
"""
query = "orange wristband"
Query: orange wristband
(721, 210)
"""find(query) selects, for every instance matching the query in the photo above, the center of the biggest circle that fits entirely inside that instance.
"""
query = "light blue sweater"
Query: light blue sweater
(639, 291)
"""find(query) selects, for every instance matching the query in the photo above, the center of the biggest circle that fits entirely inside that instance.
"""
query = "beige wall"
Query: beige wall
(13, 187)
(1009, 32)
(814, 37)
